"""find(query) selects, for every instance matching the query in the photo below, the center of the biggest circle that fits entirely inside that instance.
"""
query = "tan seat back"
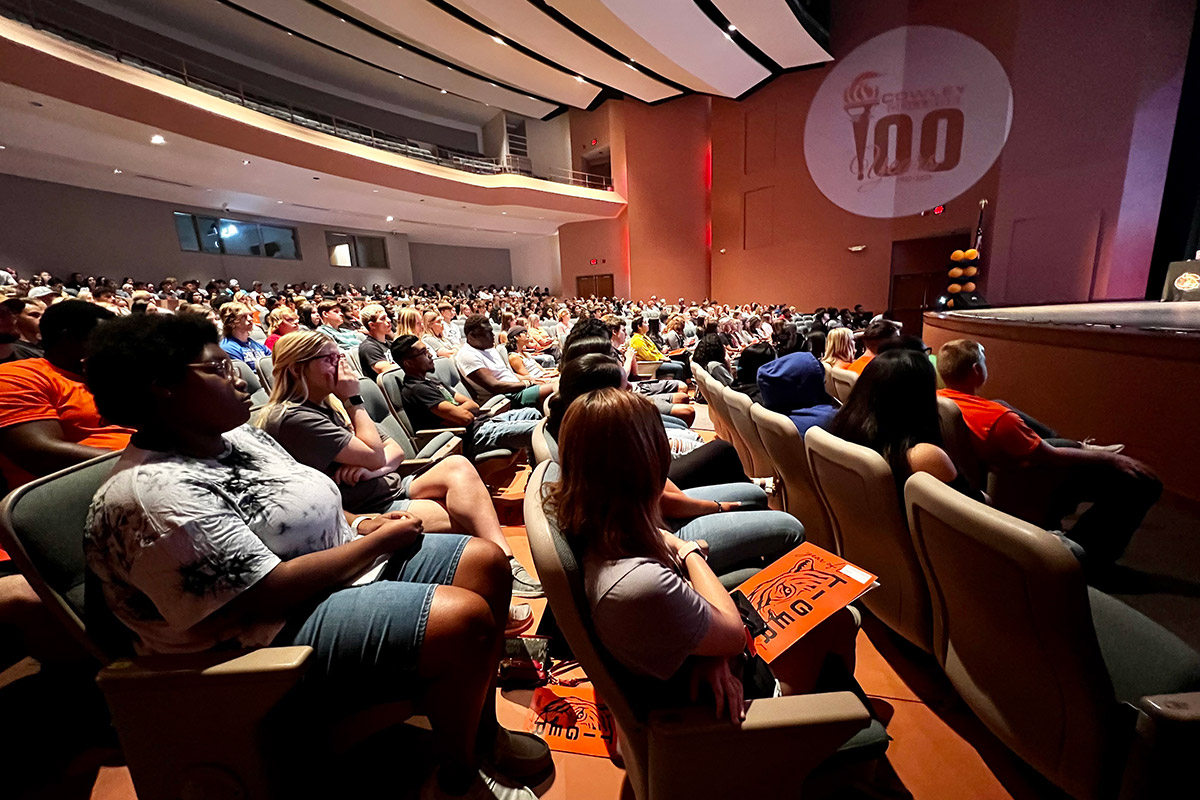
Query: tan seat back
(843, 383)
(1013, 630)
(859, 493)
(561, 575)
(956, 438)
(718, 409)
(739, 406)
(786, 450)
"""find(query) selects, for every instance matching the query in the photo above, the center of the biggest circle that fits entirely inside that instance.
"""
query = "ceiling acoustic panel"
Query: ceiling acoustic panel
(435, 31)
(773, 28)
(679, 31)
(528, 25)
(312, 22)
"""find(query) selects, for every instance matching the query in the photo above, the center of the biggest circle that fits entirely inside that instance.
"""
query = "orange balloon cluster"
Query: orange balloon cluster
(964, 267)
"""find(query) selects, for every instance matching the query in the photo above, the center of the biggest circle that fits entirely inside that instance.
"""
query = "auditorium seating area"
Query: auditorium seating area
(991, 660)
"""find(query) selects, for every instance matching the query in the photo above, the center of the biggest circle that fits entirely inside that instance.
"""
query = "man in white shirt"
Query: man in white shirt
(485, 368)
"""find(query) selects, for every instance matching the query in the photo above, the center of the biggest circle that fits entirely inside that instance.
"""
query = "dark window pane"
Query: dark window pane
(279, 242)
(210, 234)
(185, 226)
(372, 254)
(240, 238)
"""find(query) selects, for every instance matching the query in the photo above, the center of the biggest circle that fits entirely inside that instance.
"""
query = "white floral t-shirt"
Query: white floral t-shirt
(173, 539)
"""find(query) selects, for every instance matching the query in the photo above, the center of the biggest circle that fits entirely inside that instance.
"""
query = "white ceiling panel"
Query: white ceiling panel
(524, 23)
(434, 30)
(679, 31)
(314, 23)
(774, 29)
(598, 20)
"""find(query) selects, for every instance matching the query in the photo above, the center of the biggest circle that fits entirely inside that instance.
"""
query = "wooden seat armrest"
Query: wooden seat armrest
(267, 663)
(693, 754)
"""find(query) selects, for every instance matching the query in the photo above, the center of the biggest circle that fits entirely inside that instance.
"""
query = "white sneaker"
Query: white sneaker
(484, 787)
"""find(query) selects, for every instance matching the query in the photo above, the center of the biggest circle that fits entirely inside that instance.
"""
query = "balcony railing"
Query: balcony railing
(186, 72)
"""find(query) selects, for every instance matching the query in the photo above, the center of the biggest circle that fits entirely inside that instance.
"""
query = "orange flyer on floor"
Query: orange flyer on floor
(571, 719)
(798, 592)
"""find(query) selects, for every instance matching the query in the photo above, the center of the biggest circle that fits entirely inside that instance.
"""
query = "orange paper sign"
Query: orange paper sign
(571, 719)
(798, 592)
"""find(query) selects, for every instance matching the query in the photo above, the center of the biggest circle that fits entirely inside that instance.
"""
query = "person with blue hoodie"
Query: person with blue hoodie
(794, 385)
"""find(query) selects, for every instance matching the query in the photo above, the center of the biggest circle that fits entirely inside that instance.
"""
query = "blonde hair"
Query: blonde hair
(292, 351)
(430, 317)
(839, 346)
(956, 359)
(408, 321)
(279, 315)
(229, 313)
(369, 312)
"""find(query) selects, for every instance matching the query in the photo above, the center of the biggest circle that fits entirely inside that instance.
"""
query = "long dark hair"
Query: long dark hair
(893, 408)
(579, 376)
(614, 456)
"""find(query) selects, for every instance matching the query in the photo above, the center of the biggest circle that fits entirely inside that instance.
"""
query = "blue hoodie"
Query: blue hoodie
(794, 385)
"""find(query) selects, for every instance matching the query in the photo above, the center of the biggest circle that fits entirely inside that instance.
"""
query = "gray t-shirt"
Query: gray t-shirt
(173, 539)
(314, 435)
(646, 614)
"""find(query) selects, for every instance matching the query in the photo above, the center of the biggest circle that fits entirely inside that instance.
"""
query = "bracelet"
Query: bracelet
(359, 521)
(720, 508)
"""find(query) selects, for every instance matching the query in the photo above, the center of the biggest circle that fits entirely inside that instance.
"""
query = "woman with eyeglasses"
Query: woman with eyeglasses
(208, 535)
(315, 413)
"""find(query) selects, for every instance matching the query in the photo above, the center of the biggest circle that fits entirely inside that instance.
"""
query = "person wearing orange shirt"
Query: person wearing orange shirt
(875, 334)
(1049, 483)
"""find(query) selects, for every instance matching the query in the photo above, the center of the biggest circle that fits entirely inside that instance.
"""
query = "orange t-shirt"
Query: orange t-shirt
(33, 389)
(857, 364)
(998, 434)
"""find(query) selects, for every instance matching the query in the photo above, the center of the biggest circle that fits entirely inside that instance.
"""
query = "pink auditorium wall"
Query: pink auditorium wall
(1074, 193)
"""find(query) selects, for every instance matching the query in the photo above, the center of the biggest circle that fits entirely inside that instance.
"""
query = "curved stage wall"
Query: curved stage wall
(1116, 372)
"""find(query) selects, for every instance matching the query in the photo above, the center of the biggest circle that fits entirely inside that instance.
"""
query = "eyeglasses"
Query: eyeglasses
(330, 358)
(221, 366)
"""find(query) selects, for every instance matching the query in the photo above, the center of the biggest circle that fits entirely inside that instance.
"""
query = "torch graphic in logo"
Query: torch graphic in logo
(860, 97)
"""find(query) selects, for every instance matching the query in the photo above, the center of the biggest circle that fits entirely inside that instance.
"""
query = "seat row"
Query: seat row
(1094, 695)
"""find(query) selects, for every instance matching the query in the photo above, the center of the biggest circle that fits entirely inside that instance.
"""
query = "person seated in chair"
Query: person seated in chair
(431, 404)
(794, 385)
(315, 413)
(237, 320)
(646, 350)
(374, 353)
(607, 503)
(437, 336)
(754, 358)
(333, 324)
(521, 361)
(1048, 483)
(873, 336)
(485, 366)
(208, 535)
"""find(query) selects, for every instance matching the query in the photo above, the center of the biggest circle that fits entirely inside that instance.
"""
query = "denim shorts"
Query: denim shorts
(366, 639)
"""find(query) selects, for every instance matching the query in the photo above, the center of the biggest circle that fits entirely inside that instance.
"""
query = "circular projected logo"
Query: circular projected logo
(907, 121)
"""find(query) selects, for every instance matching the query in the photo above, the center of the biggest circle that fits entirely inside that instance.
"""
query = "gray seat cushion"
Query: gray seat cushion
(1143, 657)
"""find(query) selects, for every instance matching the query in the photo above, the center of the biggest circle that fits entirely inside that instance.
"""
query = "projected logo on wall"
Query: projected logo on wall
(907, 121)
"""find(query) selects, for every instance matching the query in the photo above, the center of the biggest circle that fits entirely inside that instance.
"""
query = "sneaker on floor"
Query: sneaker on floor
(524, 584)
(484, 787)
(520, 755)
(520, 619)
(1107, 448)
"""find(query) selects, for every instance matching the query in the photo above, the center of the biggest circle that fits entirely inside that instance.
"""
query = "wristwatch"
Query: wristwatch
(694, 548)
(355, 400)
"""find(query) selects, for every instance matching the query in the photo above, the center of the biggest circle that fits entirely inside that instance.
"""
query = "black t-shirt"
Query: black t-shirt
(420, 396)
(370, 353)
(314, 435)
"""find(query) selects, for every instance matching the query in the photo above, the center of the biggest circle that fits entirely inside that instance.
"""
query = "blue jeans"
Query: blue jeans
(366, 639)
(512, 430)
(671, 369)
(749, 536)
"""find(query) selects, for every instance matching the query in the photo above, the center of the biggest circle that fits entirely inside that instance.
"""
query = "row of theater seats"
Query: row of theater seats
(1076, 683)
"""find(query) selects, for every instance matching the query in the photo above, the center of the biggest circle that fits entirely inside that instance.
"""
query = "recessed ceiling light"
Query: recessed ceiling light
(117, 172)
(3, 147)
(730, 38)
(157, 139)
(505, 213)
(579, 78)
(732, 28)
(245, 162)
(401, 77)
(208, 190)
(450, 68)
(374, 191)
(390, 218)
(498, 40)
(443, 91)
(279, 202)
